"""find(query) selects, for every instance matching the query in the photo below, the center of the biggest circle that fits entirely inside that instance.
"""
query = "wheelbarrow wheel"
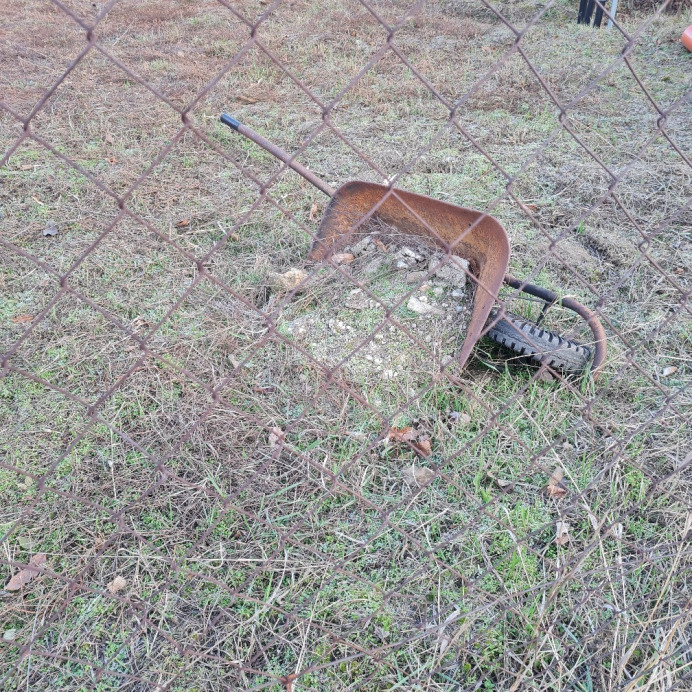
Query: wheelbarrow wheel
(528, 339)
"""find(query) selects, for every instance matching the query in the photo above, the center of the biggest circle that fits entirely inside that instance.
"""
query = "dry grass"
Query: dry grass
(251, 555)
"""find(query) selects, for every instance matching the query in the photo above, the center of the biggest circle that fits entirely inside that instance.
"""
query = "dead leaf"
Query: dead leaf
(109, 138)
(555, 487)
(288, 281)
(343, 258)
(25, 575)
(112, 160)
(26, 166)
(247, 99)
(422, 447)
(118, 584)
(670, 370)
(21, 319)
(381, 245)
(402, 434)
(276, 437)
(531, 207)
(235, 237)
(418, 474)
(679, 270)
(182, 223)
(562, 533)
(313, 211)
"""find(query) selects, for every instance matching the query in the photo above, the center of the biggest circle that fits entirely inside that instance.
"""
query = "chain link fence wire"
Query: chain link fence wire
(225, 466)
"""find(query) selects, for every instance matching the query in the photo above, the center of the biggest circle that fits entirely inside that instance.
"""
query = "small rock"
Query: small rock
(361, 246)
(446, 360)
(401, 264)
(389, 374)
(9, 635)
(415, 277)
(451, 269)
(438, 291)
(50, 229)
(408, 252)
(374, 265)
(422, 308)
(288, 281)
(457, 293)
(423, 299)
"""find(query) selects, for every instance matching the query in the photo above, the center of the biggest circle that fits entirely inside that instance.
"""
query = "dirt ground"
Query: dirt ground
(227, 490)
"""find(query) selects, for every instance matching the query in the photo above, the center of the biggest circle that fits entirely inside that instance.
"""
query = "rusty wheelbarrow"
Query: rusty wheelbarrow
(475, 236)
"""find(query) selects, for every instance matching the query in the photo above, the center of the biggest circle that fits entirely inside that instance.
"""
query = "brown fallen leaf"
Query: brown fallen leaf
(402, 434)
(247, 99)
(276, 437)
(26, 166)
(118, 584)
(112, 160)
(25, 575)
(562, 533)
(21, 319)
(422, 447)
(343, 258)
(555, 488)
(109, 138)
(418, 475)
(182, 223)
(381, 245)
(670, 370)
(235, 237)
(313, 212)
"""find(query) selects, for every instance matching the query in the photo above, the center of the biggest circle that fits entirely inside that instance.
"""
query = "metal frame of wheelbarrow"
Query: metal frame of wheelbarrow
(473, 235)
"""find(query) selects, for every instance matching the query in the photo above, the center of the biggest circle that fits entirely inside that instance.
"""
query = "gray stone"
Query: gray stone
(451, 269)
(415, 277)
(421, 307)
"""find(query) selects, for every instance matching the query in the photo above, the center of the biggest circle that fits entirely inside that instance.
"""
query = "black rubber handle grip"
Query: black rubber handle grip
(230, 121)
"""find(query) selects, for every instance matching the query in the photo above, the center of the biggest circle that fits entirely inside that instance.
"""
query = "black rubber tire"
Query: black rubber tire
(528, 339)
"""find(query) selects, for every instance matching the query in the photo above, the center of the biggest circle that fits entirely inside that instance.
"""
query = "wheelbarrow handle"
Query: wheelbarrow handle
(279, 153)
(588, 315)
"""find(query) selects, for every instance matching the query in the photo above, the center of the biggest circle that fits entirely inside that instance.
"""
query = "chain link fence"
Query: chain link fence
(228, 464)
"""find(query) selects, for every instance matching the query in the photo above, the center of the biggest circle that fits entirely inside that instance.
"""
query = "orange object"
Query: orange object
(687, 38)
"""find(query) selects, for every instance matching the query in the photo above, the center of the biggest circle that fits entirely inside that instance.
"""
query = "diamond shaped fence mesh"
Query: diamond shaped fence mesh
(242, 445)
